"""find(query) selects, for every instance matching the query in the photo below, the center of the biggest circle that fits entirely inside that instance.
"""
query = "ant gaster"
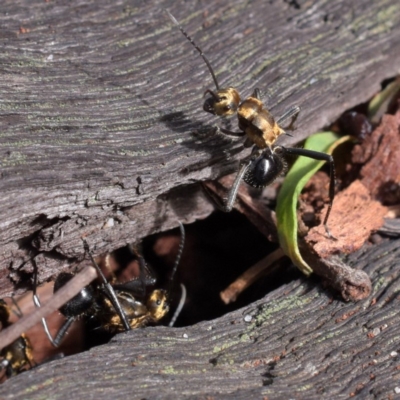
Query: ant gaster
(117, 307)
(267, 160)
(17, 356)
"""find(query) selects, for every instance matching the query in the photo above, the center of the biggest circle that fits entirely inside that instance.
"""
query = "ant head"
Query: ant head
(16, 356)
(157, 304)
(223, 103)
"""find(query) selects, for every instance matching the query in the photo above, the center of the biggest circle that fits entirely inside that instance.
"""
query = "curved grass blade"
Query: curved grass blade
(286, 211)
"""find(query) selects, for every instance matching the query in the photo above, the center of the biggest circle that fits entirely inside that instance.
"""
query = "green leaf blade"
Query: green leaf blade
(300, 173)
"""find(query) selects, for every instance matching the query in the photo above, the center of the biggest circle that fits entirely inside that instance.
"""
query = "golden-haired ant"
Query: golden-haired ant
(267, 159)
(17, 356)
(117, 307)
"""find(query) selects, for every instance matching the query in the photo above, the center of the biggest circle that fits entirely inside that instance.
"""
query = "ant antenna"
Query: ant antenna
(174, 20)
(143, 270)
(178, 256)
(37, 303)
(109, 289)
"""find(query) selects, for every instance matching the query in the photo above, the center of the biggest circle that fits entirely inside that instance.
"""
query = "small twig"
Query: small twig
(353, 284)
(67, 292)
(231, 293)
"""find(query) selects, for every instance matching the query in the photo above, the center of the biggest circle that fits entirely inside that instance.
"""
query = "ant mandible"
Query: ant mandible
(267, 159)
(117, 307)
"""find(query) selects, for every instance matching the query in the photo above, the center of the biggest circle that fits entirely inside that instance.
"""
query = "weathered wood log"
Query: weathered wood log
(298, 342)
(101, 108)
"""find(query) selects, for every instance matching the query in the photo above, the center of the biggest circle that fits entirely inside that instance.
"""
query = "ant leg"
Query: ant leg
(109, 290)
(37, 303)
(144, 272)
(317, 155)
(232, 194)
(235, 187)
(248, 143)
(63, 330)
(231, 133)
(138, 286)
(257, 94)
(18, 311)
(290, 114)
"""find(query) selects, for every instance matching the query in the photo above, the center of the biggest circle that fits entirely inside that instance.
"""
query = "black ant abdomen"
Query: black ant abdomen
(79, 305)
(263, 170)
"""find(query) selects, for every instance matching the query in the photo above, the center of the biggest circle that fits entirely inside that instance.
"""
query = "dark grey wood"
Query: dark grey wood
(101, 108)
(299, 342)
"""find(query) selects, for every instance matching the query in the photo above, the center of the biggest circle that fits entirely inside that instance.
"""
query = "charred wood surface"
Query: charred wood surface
(298, 342)
(101, 108)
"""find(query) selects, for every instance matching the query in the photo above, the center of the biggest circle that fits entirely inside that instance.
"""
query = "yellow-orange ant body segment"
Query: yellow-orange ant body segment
(261, 130)
(17, 356)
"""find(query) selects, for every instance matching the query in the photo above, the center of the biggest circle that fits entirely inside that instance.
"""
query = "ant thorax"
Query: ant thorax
(258, 123)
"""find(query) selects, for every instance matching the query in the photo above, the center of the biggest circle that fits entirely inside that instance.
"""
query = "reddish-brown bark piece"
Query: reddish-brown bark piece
(357, 211)
(380, 154)
(354, 216)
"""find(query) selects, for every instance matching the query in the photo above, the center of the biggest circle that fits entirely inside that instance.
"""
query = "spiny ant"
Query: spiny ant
(117, 307)
(260, 130)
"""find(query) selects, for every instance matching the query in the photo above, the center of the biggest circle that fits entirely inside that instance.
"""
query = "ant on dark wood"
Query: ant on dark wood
(17, 356)
(267, 159)
(117, 307)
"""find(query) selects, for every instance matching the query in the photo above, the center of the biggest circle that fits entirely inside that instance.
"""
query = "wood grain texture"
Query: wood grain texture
(298, 342)
(101, 118)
